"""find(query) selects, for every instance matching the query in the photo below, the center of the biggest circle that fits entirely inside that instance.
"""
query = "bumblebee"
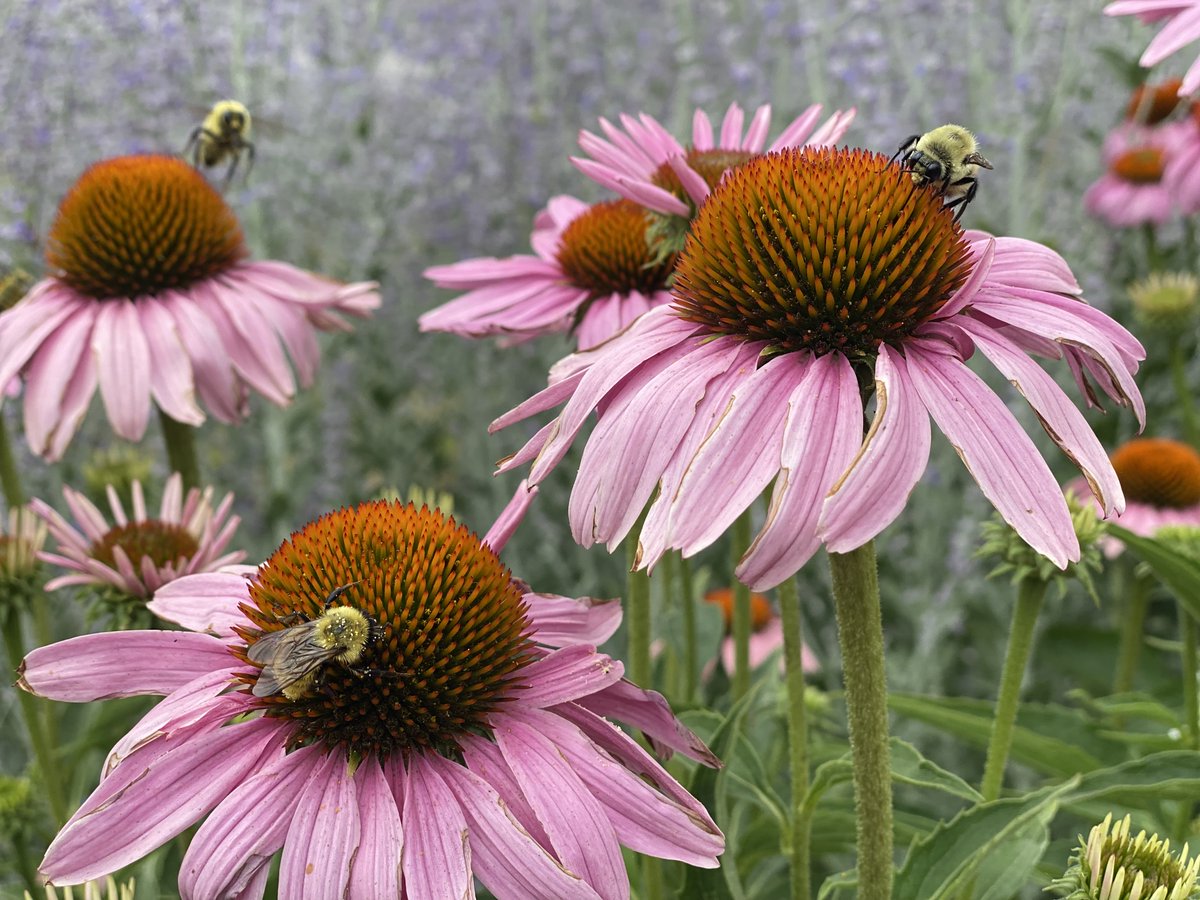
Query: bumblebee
(291, 657)
(224, 134)
(947, 158)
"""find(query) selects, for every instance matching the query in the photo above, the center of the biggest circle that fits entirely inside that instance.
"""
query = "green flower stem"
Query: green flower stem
(33, 722)
(687, 591)
(637, 619)
(181, 449)
(741, 612)
(1183, 393)
(10, 479)
(860, 634)
(1129, 649)
(797, 724)
(1188, 660)
(1030, 593)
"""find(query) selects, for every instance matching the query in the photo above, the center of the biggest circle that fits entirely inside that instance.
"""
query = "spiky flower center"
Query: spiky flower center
(605, 251)
(1141, 165)
(1159, 472)
(1140, 865)
(138, 225)
(820, 250)
(760, 608)
(162, 542)
(449, 624)
(1151, 103)
(711, 165)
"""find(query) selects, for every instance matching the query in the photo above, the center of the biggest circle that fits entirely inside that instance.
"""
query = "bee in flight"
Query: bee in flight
(291, 657)
(948, 158)
(224, 134)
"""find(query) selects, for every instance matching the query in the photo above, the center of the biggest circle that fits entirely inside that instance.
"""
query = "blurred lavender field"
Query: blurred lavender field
(392, 137)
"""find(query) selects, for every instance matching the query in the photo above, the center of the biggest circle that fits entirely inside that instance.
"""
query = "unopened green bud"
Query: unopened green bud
(1022, 561)
(1166, 301)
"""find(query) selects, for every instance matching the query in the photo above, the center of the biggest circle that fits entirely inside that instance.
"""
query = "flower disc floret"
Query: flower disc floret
(139, 225)
(1159, 472)
(161, 542)
(1141, 165)
(605, 251)
(451, 630)
(820, 250)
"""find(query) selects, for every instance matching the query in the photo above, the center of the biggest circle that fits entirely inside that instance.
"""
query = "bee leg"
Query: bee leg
(337, 592)
(232, 168)
(249, 159)
(965, 199)
(193, 141)
(908, 142)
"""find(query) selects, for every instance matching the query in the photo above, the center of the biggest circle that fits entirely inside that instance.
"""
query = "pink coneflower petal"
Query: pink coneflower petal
(559, 621)
(633, 807)
(894, 453)
(378, 870)
(740, 458)
(649, 712)
(116, 826)
(581, 834)
(1183, 29)
(1062, 421)
(172, 383)
(247, 828)
(217, 384)
(822, 433)
(121, 664)
(802, 126)
(203, 602)
(25, 327)
(630, 449)
(51, 374)
(1001, 457)
(483, 758)
(437, 853)
(568, 674)
(509, 862)
(323, 838)
(181, 708)
(123, 364)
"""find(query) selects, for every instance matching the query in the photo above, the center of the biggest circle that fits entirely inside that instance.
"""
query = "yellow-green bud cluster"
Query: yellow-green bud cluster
(1113, 865)
(1166, 301)
(119, 466)
(1022, 561)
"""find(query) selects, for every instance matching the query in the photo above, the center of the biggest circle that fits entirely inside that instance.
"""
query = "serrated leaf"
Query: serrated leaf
(1179, 573)
(943, 863)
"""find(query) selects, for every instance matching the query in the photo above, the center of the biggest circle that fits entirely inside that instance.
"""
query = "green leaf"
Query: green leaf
(835, 884)
(1002, 872)
(1173, 775)
(972, 721)
(910, 767)
(1179, 573)
(943, 864)
(708, 786)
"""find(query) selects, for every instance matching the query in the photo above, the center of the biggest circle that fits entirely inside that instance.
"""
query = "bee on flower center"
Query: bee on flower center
(291, 657)
(946, 158)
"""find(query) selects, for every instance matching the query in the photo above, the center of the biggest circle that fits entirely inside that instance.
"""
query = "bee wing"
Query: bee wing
(976, 159)
(287, 656)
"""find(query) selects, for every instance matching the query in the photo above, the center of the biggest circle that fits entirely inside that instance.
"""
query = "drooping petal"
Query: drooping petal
(1058, 415)
(247, 828)
(573, 818)
(323, 838)
(567, 674)
(206, 602)
(437, 855)
(509, 862)
(510, 517)
(484, 758)
(649, 712)
(121, 664)
(560, 621)
(739, 458)
(822, 432)
(872, 493)
(55, 365)
(123, 364)
(171, 380)
(1000, 456)
(378, 868)
(187, 774)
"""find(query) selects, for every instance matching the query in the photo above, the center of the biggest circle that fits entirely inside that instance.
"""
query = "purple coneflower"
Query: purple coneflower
(137, 554)
(151, 300)
(594, 272)
(766, 634)
(467, 739)
(1133, 189)
(812, 279)
(1181, 28)
(644, 163)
